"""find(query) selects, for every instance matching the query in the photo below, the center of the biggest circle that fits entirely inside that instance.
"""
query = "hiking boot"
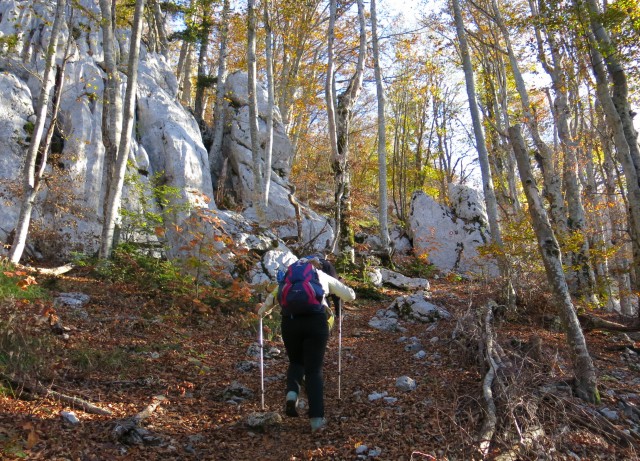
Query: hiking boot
(317, 424)
(291, 404)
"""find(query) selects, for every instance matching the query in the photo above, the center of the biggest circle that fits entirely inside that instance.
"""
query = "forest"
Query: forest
(471, 167)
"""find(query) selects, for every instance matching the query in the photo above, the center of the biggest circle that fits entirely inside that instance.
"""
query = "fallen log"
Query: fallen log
(38, 389)
(75, 402)
(591, 322)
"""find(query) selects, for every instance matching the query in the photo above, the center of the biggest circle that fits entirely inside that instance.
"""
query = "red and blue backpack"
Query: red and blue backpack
(300, 291)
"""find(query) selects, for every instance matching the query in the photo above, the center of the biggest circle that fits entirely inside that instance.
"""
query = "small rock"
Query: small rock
(362, 449)
(377, 396)
(263, 420)
(404, 383)
(70, 417)
(420, 355)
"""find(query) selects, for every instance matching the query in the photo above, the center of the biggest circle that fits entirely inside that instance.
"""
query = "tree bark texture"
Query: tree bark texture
(253, 115)
(584, 370)
(382, 136)
(31, 181)
(115, 191)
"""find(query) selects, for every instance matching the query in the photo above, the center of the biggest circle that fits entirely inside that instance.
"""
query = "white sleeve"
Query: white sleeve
(336, 287)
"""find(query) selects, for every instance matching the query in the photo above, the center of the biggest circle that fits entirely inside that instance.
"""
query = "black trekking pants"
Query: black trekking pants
(305, 339)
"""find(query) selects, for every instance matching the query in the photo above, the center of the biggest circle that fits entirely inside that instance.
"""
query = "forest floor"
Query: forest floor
(125, 347)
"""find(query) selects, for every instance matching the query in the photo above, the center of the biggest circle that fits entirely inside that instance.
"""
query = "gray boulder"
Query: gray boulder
(450, 241)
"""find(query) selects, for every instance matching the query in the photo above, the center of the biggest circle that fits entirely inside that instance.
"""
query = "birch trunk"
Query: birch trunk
(584, 370)
(31, 180)
(258, 184)
(115, 192)
(382, 136)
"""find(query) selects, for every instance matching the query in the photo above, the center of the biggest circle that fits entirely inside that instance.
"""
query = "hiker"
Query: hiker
(305, 337)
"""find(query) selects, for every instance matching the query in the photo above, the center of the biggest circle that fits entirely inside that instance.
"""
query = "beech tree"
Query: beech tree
(38, 152)
(382, 136)
(112, 99)
(584, 370)
(483, 156)
(218, 108)
(114, 192)
(258, 167)
(344, 104)
(268, 150)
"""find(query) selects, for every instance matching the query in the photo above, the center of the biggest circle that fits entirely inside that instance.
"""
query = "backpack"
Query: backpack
(300, 291)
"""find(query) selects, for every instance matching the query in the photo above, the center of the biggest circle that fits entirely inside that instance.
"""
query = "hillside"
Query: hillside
(126, 346)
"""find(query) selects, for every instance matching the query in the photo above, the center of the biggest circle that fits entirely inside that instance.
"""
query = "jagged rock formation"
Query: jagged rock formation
(167, 148)
(283, 212)
(450, 237)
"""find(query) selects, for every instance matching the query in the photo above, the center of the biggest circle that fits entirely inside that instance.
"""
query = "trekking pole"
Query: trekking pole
(261, 340)
(340, 354)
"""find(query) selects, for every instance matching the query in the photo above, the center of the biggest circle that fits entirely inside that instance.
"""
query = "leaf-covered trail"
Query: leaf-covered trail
(125, 347)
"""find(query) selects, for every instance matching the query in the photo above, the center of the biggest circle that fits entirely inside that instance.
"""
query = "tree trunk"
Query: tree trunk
(268, 154)
(258, 184)
(115, 191)
(581, 273)
(552, 183)
(202, 81)
(330, 97)
(584, 370)
(112, 99)
(218, 110)
(31, 180)
(340, 163)
(483, 155)
(162, 33)
(382, 136)
(623, 150)
(618, 76)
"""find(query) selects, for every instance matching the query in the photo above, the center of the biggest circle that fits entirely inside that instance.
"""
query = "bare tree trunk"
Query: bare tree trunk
(552, 183)
(162, 33)
(31, 180)
(340, 163)
(584, 370)
(483, 155)
(218, 109)
(112, 99)
(382, 136)
(268, 154)
(187, 90)
(623, 150)
(582, 278)
(330, 97)
(258, 184)
(618, 76)
(202, 81)
(115, 191)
